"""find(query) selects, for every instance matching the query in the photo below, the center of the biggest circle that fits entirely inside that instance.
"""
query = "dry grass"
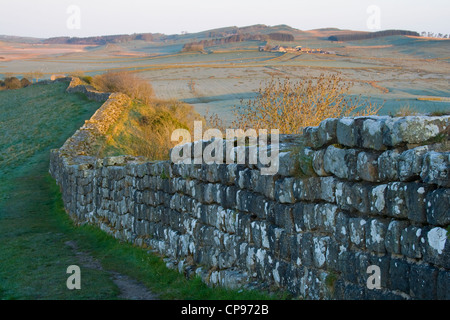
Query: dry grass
(125, 82)
(406, 110)
(146, 129)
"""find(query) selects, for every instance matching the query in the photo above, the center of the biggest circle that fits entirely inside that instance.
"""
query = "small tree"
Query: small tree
(291, 106)
(37, 75)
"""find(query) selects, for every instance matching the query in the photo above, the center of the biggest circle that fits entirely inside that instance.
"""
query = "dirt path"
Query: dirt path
(130, 289)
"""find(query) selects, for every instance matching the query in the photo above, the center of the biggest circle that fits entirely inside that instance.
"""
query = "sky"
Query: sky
(81, 18)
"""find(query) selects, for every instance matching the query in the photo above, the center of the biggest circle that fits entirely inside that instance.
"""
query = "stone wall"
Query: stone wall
(349, 194)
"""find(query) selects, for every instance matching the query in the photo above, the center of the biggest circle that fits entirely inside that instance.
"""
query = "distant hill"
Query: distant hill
(353, 36)
(280, 32)
(101, 40)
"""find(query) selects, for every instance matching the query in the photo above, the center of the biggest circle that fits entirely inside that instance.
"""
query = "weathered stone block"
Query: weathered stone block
(377, 199)
(436, 246)
(415, 129)
(422, 282)
(353, 196)
(375, 235)
(342, 228)
(308, 189)
(325, 215)
(341, 162)
(283, 217)
(309, 217)
(318, 163)
(328, 189)
(388, 165)
(311, 137)
(357, 231)
(436, 168)
(415, 197)
(399, 273)
(367, 166)
(395, 200)
(284, 192)
(326, 132)
(410, 163)
(372, 133)
(346, 132)
(443, 289)
(306, 249)
(411, 242)
(437, 207)
(297, 215)
(393, 236)
(320, 251)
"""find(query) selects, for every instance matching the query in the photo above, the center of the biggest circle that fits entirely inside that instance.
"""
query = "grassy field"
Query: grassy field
(37, 239)
(415, 71)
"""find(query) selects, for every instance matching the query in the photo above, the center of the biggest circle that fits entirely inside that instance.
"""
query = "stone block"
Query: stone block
(318, 163)
(372, 133)
(396, 200)
(437, 207)
(326, 131)
(393, 236)
(436, 246)
(328, 189)
(346, 132)
(399, 273)
(443, 288)
(423, 282)
(415, 197)
(436, 168)
(377, 199)
(375, 235)
(367, 166)
(357, 231)
(284, 192)
(341, 162)
(410, 163)
(412, 242)
(388, 165)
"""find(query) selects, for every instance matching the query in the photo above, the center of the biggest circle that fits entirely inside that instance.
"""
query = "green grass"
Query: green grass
(34, 226)
(34, 118)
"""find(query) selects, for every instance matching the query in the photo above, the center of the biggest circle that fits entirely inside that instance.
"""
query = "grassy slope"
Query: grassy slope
(34, 226)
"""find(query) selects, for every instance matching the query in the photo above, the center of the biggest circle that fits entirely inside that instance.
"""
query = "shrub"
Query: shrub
(12, 83)
(291, 106)
(25, 82)
(124, 82)
(189, 47)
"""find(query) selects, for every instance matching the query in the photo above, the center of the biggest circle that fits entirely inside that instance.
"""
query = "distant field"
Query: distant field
(396, 70)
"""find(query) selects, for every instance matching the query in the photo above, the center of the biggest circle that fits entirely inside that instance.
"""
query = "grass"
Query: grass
(34, 227)
(145, 130)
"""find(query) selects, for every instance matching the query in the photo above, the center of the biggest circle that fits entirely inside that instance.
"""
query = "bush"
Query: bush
(291, 106)
(190, 47)
(12, 83)
(124, 82)
(25, 82)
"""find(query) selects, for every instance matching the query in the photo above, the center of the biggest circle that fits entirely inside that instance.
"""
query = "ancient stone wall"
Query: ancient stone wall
(351, 198)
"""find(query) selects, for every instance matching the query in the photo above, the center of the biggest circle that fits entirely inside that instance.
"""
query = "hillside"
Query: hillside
(33, 119)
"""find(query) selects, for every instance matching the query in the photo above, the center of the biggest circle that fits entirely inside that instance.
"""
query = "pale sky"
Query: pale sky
(49, 18)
